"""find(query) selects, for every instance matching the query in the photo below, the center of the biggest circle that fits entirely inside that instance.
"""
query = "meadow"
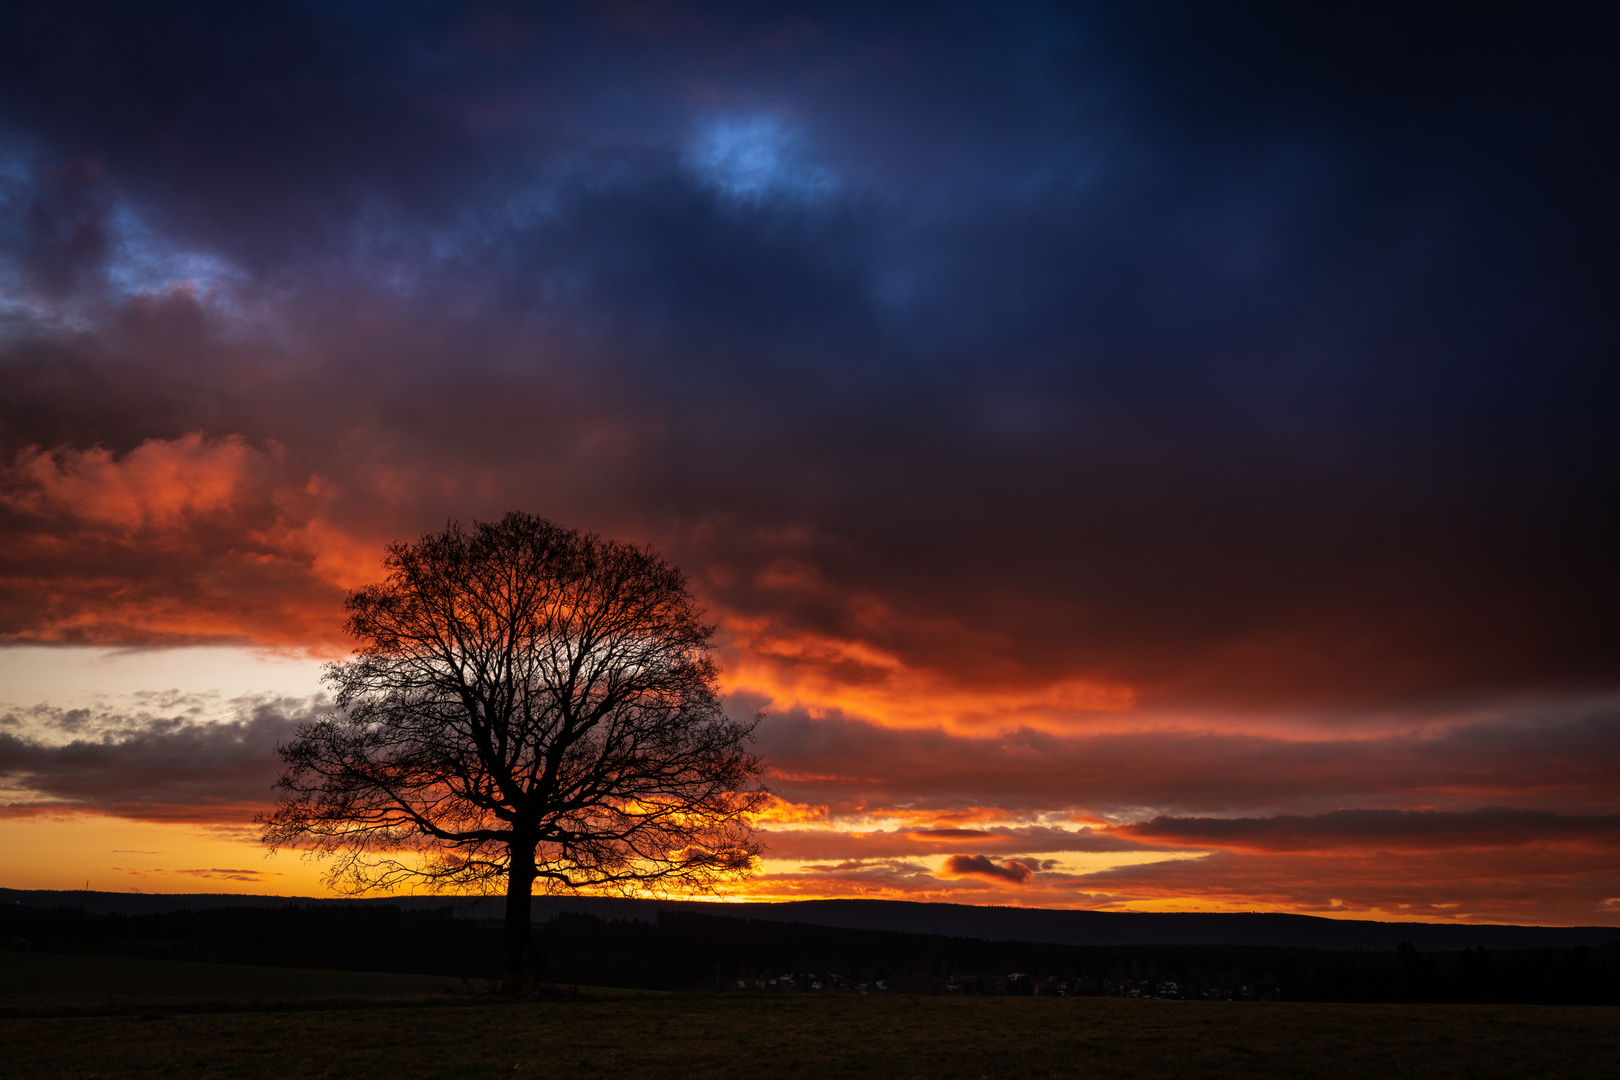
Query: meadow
(83, 1017)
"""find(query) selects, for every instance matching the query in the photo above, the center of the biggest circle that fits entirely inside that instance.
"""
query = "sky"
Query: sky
(1138, 456)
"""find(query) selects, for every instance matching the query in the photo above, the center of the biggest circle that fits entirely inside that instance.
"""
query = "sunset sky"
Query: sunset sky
(1140, 456)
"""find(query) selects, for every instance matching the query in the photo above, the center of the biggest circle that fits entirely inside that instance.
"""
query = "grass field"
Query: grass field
(167, 1021)
(47, 984)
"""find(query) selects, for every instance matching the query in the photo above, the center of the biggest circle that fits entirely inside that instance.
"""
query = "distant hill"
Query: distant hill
(1043, 925)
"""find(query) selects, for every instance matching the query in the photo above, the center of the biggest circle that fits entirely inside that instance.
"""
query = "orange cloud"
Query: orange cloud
(827, 674)
(777, 811)
(177, 541)
(150, 490)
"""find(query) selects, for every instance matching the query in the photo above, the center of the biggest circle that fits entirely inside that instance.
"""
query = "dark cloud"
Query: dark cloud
(1011, 871)
(1557, 760)
(176, 767)
(230, 875)
(897, 866)
(1245, 371)
(1552, 885)
(1259, 383)
(822, 844)
(65, 226)
(1409, 829)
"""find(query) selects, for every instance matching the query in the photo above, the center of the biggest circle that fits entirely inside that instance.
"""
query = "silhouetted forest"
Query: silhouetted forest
(690, 951)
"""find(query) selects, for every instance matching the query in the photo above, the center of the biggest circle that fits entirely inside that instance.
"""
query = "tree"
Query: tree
(528, 704)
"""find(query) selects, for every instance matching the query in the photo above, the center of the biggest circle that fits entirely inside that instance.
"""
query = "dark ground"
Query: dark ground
(1043, 925)
(686, 951)
(195, 1020)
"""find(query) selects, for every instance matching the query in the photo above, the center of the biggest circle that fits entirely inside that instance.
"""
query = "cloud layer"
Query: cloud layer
(1184, 429)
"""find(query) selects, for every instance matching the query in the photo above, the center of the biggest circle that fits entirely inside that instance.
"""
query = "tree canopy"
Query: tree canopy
(530, 705)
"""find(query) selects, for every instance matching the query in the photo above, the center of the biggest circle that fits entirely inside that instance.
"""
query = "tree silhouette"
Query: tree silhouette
(529, 705)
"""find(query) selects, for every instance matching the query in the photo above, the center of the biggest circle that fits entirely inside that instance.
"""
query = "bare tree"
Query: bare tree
(529, 705)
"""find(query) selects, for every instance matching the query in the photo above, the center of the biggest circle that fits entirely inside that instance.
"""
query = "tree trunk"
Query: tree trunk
(516, 976)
